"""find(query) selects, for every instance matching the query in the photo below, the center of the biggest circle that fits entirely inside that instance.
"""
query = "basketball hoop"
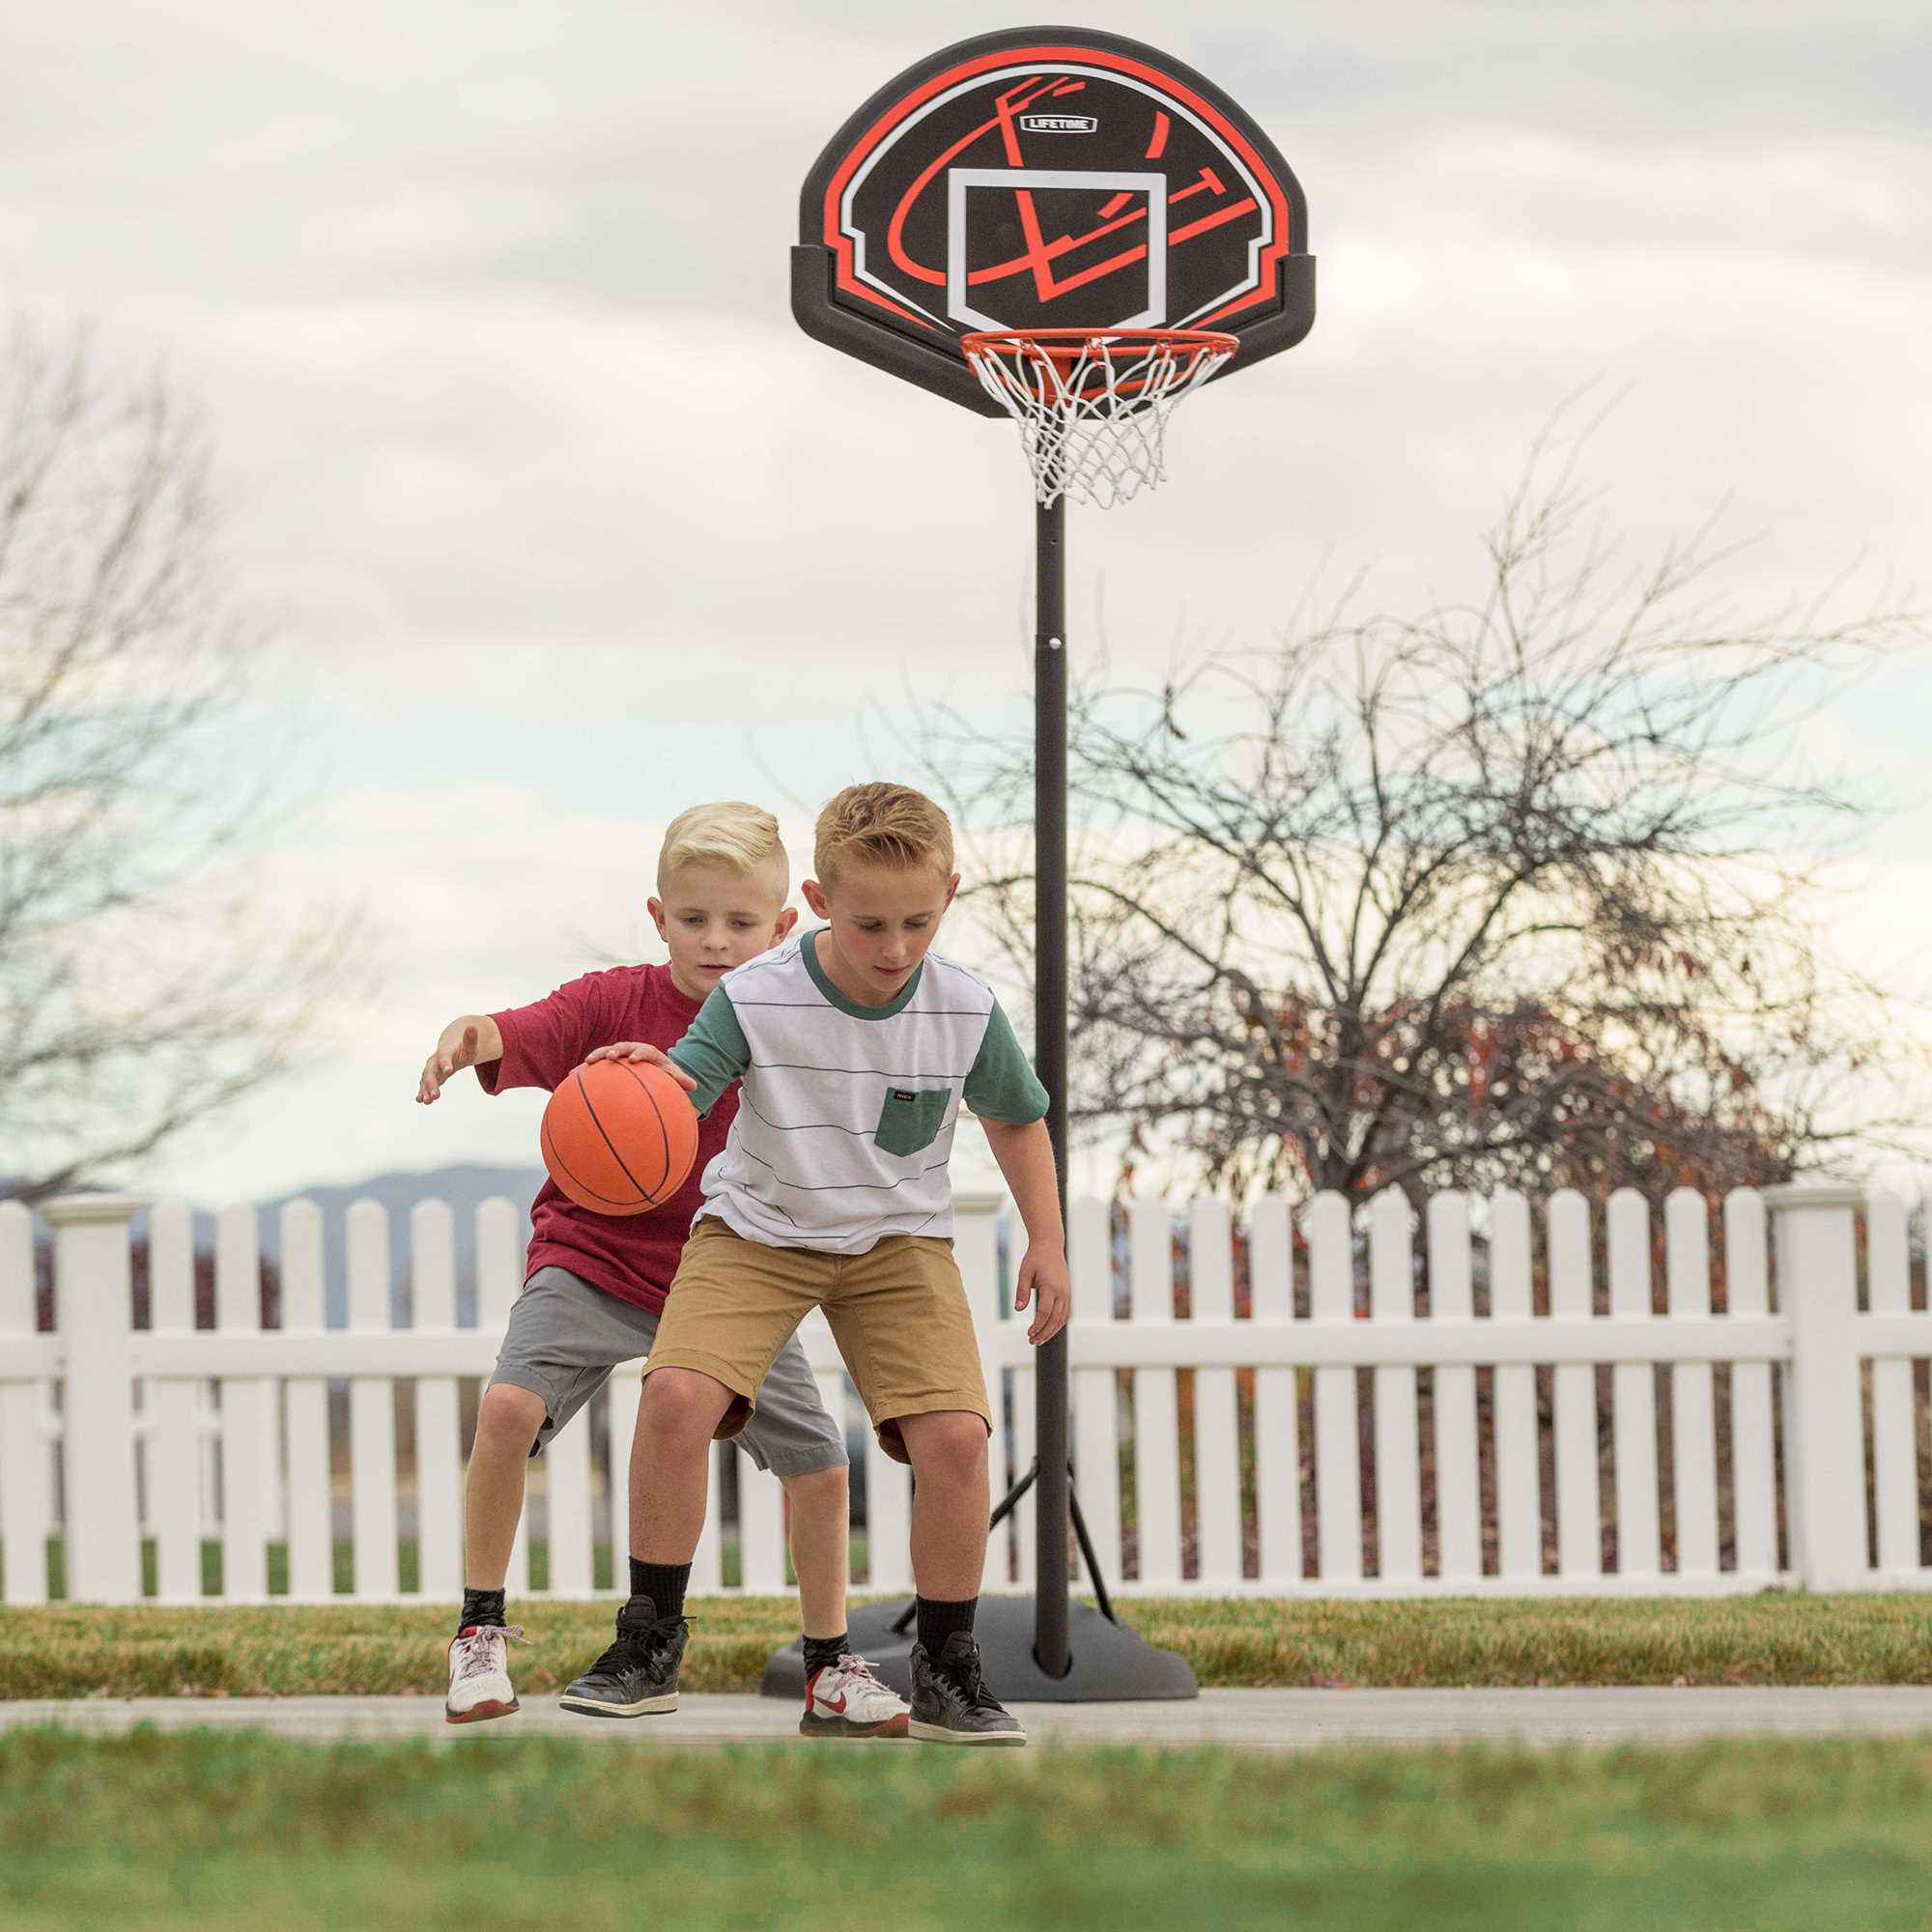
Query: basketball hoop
(1017, 178)
(1093, 403)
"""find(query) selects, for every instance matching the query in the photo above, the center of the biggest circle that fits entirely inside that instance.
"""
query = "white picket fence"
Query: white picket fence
(225, 1432)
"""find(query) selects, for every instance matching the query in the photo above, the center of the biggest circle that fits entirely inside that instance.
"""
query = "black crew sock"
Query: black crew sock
(937, 1621)
(819, 1651)
(479, 1608)
(663, 1583)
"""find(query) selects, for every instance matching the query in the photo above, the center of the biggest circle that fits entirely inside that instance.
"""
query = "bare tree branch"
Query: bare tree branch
(1525, 890)
(147, 981)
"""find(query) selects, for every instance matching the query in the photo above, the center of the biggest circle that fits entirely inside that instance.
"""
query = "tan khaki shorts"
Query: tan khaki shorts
(897, 1312)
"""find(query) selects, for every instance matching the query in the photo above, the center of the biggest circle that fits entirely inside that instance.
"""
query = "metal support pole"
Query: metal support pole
(1050, 1641)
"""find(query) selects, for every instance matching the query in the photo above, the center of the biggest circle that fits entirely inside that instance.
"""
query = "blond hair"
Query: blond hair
(884, 824)
(733, 833)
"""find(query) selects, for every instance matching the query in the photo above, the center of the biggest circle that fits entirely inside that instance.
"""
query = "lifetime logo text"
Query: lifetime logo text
(1058, 124)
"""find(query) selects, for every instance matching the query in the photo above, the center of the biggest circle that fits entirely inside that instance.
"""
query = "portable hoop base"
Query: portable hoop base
(1093, 403)
(1107, 1662)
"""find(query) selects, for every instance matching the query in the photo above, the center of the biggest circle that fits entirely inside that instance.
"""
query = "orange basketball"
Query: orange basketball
(619, 1136)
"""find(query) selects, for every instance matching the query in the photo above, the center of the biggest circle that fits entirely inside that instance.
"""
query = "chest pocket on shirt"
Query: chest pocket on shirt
(911, 1118)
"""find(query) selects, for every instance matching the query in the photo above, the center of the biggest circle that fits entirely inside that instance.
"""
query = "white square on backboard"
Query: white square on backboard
(959, 181)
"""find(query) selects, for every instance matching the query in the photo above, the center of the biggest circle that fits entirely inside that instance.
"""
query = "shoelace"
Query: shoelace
(970, 1683)
(474, 1651)
(645, 1646)
(855, 1665)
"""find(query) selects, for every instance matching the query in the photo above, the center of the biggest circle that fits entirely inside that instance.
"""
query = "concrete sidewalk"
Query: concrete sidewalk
(1256, 1720)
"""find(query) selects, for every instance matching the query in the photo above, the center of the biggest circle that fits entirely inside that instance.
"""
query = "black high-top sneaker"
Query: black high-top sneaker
(636, 1677)
(951, 1704)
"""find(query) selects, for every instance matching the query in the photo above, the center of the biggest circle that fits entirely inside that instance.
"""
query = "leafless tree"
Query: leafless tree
(1524, 892)
(147, 982)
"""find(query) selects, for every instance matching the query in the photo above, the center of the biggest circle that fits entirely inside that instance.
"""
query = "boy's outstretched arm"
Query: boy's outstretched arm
(1025, 1155)
(463, 1043)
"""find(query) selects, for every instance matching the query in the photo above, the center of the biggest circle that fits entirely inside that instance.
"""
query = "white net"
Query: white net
(1093, 411)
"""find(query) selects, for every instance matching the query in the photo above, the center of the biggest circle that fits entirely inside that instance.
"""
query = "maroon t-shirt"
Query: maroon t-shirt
(631, 1256)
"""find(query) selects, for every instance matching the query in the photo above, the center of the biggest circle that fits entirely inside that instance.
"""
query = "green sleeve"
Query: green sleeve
(1001, 1086)
(714, 1052)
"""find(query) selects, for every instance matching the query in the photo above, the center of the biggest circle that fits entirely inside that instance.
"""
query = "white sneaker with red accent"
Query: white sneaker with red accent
(845, 1700)
(479, 1673)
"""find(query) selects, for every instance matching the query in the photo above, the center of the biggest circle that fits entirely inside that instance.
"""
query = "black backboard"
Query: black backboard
(1047, 177)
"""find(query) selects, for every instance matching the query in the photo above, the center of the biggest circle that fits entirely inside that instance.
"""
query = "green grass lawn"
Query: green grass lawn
(74, 1652)
(409, 1567)
(222, 1832)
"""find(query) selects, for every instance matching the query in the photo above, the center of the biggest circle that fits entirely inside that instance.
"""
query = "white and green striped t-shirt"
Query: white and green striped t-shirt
(845, 1117)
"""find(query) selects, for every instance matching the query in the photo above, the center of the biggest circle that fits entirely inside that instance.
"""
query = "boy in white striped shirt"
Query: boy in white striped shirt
(857, 1047)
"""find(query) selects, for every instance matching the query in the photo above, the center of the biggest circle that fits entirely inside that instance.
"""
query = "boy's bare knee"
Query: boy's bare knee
(509, 1414)
(947, 1440)
(683, 1404)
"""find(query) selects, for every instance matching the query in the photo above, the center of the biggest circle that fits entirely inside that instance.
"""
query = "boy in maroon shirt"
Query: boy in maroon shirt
(596, 1284)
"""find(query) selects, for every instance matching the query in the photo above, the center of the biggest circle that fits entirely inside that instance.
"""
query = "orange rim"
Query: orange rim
(1070, 344)
(1062, 349)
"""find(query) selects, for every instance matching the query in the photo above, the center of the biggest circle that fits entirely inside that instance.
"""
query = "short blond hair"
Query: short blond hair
(884, 824)
(742, 837)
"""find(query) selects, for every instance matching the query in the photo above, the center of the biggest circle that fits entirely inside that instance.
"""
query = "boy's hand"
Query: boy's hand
(1044, 1281)
(636, 1049)
(454, 1051)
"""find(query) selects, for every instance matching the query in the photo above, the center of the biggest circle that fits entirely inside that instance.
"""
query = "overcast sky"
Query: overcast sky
(565, 525)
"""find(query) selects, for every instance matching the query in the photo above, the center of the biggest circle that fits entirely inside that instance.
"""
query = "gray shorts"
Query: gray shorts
(565, 1337)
